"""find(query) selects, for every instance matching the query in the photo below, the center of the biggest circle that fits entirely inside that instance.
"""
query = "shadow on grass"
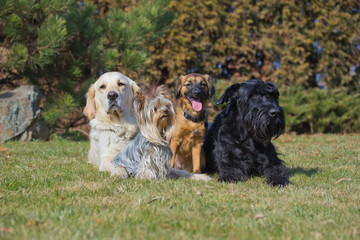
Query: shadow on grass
(305, 171)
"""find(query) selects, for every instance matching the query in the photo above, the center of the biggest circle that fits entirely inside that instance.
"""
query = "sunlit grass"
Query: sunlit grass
(48, 191)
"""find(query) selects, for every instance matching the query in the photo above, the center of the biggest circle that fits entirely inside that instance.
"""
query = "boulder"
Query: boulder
(20, 115)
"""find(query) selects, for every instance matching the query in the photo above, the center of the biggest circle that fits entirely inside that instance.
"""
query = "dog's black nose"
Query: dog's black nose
(196, 92)
(274, 112)
(112, 96)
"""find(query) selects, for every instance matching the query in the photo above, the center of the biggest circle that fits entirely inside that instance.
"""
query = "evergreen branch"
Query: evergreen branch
(81, 131)
(7, 8)
(8, 80)
(47, 45)
(74, 129)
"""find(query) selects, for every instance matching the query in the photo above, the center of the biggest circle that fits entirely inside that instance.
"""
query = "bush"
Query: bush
(320, 111)
(58, 108)
(288, 42)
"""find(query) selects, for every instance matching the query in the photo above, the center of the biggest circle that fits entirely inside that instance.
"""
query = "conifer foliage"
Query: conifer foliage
(315, 110)
(63, 45)
(290, 42)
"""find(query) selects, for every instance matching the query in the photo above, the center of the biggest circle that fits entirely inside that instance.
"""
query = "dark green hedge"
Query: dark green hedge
(320, 111)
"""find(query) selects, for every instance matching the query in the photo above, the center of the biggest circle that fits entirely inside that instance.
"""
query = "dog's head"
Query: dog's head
(156, 116)
(110, 94)
(256, 106)
(194, 90)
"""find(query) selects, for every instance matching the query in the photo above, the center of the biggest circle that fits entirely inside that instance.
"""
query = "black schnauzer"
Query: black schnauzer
(238, 144)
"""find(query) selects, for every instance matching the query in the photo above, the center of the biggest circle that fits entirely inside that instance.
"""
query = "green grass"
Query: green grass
(48, 191)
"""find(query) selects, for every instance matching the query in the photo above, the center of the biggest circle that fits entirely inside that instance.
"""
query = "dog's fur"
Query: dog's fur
(148, 155)
(238, 144)
(192, 93)
(112, 120)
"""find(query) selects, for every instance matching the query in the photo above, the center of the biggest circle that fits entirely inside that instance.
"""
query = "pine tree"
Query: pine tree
(63, 45)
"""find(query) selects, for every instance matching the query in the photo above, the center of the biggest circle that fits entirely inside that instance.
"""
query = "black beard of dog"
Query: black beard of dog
(261, 126)
(238, 144)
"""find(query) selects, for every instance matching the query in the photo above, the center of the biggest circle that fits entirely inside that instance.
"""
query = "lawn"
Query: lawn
(48, 191)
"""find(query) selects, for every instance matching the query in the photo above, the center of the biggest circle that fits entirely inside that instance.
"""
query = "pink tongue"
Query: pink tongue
(197, 106)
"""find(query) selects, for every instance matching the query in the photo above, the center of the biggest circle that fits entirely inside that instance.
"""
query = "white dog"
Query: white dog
(110, 110)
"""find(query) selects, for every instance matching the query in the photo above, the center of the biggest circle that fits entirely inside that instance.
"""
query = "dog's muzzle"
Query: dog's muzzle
(195, 97)
(114, 101)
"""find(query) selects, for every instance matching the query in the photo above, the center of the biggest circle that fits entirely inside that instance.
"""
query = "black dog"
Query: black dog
(238, 144)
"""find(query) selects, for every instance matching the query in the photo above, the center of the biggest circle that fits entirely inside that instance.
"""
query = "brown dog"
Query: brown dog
(192, 93)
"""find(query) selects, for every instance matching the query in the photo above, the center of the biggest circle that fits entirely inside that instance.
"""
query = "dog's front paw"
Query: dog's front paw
(277, 176)
(278, 182)
(230, 178)
(120, 172)
(200, 177)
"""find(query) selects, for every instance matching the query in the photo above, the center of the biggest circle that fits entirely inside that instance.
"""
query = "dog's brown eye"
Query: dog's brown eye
(187, 84)
(155, 109)
(120, 84)
(103, 86)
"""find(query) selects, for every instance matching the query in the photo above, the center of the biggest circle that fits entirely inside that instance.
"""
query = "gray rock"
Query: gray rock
(20, 115)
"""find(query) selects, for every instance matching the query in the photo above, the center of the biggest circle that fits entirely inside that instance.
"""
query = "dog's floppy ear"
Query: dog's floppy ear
(134, 87)
(178, 86)
(90, 107)
(210, 86)
(229, 92)
(139, 101)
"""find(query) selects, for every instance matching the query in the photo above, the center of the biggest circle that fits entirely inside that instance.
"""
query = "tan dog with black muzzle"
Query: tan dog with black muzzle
(192, 93)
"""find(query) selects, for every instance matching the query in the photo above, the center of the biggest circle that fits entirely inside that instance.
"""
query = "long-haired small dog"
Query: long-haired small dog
(148, 155)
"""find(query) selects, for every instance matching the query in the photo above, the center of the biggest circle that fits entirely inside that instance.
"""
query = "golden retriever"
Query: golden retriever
(110, 111)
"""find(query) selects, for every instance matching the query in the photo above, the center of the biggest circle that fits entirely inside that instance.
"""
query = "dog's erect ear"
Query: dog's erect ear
(162, 91)
(90, 107)
(178, 86)
(228, 94)
(210, 86)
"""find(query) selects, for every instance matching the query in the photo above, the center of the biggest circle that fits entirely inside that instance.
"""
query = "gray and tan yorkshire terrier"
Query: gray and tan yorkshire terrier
(148, 155)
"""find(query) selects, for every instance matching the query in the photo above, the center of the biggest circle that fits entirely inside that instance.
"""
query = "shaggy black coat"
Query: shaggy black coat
(238, 144)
